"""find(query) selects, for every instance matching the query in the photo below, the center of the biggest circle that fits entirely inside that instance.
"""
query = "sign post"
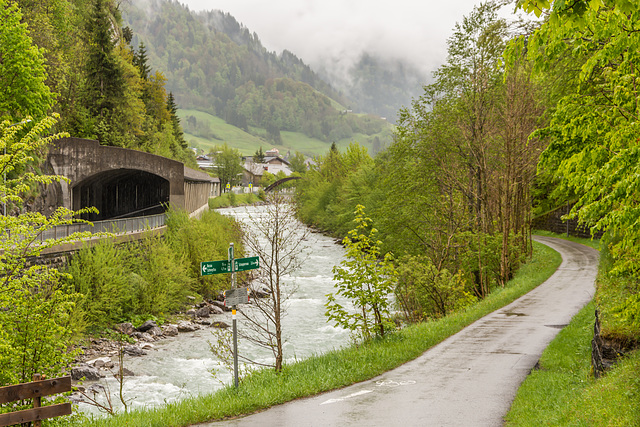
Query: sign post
(234, 296)
(233, 315)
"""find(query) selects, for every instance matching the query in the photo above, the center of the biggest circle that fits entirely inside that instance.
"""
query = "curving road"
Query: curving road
(471, 378)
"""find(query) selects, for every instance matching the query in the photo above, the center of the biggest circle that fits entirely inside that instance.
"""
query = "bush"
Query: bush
(98, 274)
(424, 292)
(207, 239)
(122, 282)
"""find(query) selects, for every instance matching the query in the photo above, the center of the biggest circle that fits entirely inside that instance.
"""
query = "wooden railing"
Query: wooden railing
(35, 391)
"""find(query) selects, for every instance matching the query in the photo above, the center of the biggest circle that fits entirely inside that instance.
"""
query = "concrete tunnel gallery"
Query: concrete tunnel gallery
(122, 193)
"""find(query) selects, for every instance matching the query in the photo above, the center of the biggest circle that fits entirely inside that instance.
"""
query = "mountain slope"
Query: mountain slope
(215, 65)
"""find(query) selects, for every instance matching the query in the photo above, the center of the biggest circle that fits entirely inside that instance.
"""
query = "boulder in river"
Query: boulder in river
(170, 330)
(203, 311)
(125, 372)
(214, 309)
(87, 372)
(220, 305)
(155, 332)
(99, 362)
(184, 326)
(222, 325)
(133, 350)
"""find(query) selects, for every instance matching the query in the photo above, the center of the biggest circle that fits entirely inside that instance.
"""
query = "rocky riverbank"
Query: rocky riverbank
(100, 357)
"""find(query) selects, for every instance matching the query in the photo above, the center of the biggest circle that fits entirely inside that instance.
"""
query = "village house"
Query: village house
(272, 163)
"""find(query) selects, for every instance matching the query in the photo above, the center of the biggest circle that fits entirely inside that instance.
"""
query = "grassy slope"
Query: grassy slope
(248, 143)
(563, 392)
(337, 368)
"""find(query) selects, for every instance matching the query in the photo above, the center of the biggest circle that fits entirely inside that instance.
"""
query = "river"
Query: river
(181, 366)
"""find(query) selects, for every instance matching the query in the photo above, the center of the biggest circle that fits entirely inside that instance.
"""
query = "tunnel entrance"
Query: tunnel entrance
(122, 193)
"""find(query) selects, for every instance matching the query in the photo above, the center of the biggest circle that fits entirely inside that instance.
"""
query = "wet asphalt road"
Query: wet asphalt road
(471, 378)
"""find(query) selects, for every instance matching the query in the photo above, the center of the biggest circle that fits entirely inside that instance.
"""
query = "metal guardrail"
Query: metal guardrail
(116, 226)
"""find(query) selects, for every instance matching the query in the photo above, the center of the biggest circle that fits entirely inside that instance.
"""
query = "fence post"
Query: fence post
(37, 400)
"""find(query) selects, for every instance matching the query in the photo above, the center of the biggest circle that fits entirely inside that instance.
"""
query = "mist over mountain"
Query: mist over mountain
(213, 63)
(377, 85)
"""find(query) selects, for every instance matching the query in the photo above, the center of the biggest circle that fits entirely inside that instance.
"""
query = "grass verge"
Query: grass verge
(338, 368)
(563, 391)
(228, 200)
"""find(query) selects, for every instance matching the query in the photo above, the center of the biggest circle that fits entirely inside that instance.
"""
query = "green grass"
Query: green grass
(338, 368)
(563, 391)
(227, 200)
(248, 143)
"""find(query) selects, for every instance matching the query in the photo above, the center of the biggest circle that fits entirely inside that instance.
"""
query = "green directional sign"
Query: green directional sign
(243, 264)
(215, 267)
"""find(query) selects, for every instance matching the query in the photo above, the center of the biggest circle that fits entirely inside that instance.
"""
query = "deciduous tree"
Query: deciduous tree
(22, 72)
(228, 166)
(36, 306)
(365, 280)
(278, 239)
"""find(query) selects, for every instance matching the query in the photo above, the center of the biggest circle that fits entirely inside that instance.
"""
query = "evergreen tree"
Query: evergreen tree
(105, 81)
(140, 60)
(175, 121)
(258, 157)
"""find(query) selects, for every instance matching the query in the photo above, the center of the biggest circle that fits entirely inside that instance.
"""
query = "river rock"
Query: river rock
(184, 326)
(133, 350)
(89, 373)
(221, 325)
(95, 389)
(203, 311)
(155, 331)
(220, 305)
(75, 398)
(260, 293)
(214, 309)
(125, 328)
(99, 362)
(170, 330)
(125, 373)
(146, 326)
(146, 346)
(191, 312)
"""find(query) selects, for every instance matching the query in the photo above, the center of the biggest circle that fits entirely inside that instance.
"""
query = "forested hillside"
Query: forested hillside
(215, 65)
(99, 84)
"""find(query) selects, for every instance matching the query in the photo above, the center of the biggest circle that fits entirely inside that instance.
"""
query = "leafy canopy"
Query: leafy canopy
(22, 73)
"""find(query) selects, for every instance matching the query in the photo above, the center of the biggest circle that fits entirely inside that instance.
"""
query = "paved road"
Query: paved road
(471, 378)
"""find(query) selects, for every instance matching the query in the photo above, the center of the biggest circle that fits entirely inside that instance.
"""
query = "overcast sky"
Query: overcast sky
(319, 31)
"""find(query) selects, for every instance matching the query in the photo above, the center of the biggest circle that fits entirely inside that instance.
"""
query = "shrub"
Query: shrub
(425, 292)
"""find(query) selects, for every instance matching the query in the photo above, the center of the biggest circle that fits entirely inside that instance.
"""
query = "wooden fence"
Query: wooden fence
(35, 391)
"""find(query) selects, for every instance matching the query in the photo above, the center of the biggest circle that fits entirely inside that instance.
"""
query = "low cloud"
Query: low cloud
(337, 32)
